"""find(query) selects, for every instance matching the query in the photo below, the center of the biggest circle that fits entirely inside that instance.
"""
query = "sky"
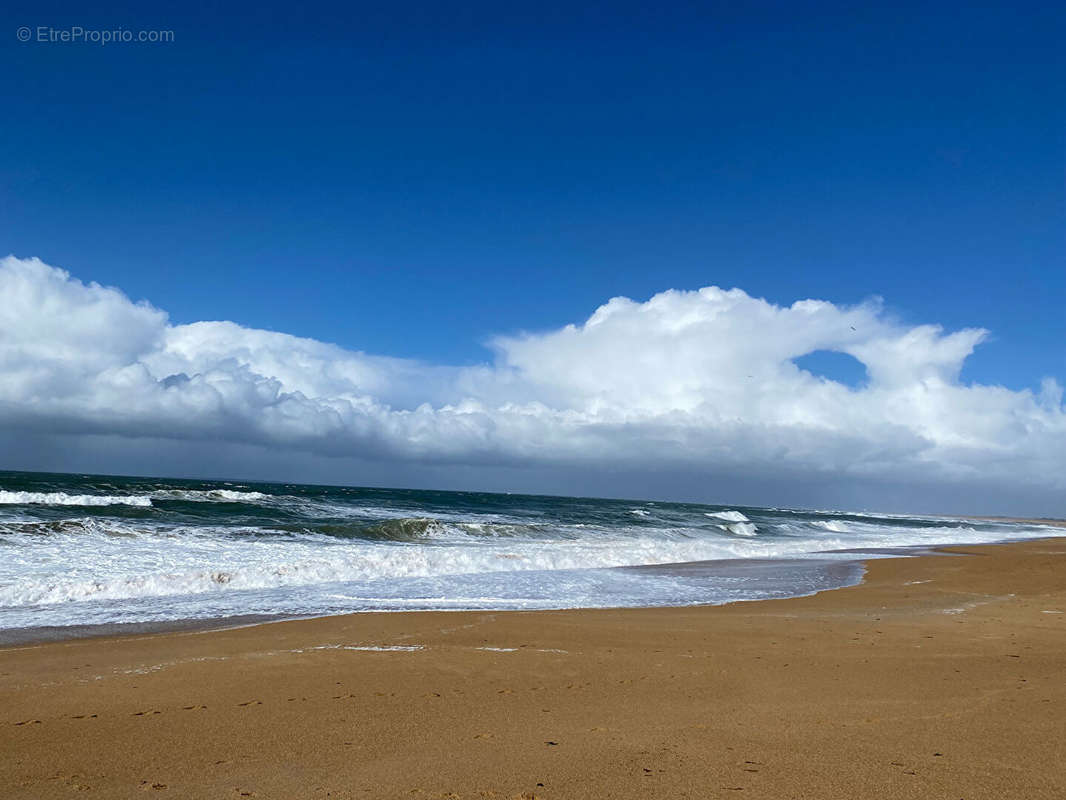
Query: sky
(432, 208)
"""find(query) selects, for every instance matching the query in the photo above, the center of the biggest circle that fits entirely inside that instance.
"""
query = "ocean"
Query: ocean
(80, 551)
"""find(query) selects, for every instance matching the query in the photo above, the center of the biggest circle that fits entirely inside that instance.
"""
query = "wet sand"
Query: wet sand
(938, 677)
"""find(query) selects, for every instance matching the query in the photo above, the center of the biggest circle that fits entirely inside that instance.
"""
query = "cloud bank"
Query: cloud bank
(688, 380)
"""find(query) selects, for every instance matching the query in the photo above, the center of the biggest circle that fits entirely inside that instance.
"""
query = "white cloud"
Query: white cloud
(702, 379)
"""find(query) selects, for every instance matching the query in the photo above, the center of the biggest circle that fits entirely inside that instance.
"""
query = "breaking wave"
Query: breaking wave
(735, 522)
(107, 549)
(728, 516)
(830, 525)
(244, 565)
(64, 499)
(141, 501)
(741, 528)
(401, 529)
(210, 495)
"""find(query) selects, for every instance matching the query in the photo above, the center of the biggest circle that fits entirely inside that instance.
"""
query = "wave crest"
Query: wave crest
(728, 516)
(64, 499)
(401, 529)
(210, 495)
(830, 525)
(740, 528)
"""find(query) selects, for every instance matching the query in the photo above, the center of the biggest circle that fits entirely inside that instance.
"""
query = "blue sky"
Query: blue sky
(450, 186)
(409, 181)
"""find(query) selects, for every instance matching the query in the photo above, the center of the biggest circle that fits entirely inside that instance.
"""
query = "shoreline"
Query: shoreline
(849, 572)
(934, 677)
(11, 638)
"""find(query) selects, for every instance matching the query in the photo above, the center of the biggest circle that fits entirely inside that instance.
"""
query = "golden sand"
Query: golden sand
(938, 677)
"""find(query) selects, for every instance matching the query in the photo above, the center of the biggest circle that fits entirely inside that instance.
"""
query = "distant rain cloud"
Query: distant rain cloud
(703, 379)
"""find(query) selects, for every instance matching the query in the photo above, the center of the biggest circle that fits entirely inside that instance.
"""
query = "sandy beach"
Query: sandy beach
(938, 677)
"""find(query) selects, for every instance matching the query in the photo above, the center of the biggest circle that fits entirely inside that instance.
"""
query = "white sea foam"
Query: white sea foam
(830, 525)
(385, 648)
(742, 528)
(735, 522)
(99, 566)
(64, 499)
(153, 565)
(212, 495)
(119, 561)
(728, 516)
(371, 648)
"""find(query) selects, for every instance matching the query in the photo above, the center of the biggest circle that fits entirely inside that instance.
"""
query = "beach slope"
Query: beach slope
(938, 677)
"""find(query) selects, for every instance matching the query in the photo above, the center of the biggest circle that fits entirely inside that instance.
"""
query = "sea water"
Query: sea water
(79, 550)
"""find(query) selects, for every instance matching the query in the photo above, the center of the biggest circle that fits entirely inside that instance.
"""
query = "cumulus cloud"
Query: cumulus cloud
(702, 379)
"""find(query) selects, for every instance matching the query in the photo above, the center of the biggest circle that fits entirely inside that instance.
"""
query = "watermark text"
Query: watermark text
(76, 34)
